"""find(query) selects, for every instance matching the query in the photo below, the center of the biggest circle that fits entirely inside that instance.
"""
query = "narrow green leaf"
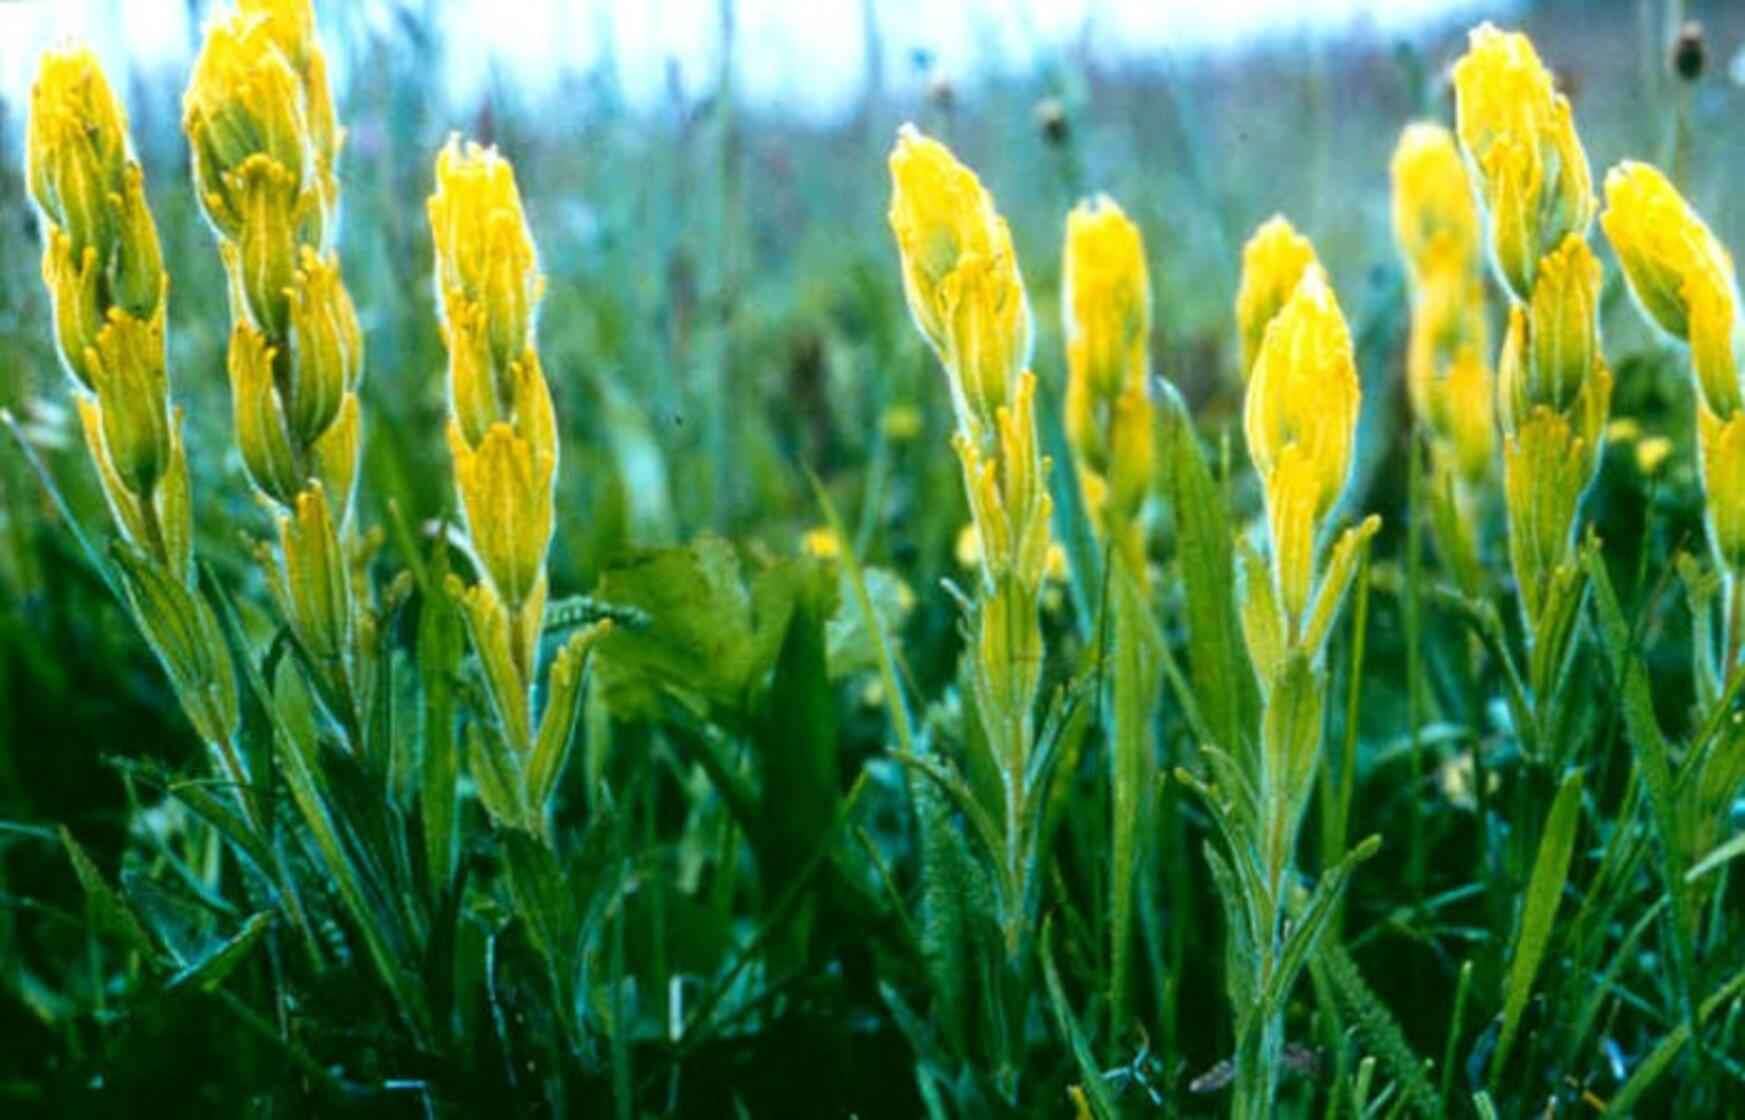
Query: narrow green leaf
(1544, 891)
(1222, 681)
(110, 911)
(1090, 1077)
(209, 971)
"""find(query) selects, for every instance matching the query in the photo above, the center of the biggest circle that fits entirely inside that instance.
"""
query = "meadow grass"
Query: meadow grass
(1038, 611)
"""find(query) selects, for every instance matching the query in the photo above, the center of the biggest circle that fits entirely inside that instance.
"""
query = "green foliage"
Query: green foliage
(767, 866)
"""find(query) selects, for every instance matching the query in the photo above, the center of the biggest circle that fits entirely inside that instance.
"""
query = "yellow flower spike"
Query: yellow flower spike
(485, 254)
(1300, 418)
(1563, 325)
(939, 213)
(76, 147)
(325, 342)
(1681, 276)
(1435, 221)
(1303, 391)
(1520, 141)
(259, 118)
(1106, 313)
(505, 492)
(244, 99)
(1106, 306)
(1722, 446)
(960, 276)
(1273, 263)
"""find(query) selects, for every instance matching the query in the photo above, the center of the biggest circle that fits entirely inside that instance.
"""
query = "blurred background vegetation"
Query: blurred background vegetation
(724, 314)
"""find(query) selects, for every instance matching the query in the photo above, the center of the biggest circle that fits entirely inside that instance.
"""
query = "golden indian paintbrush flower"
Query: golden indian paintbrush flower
(960, 275)
(1553, 386)
(104, 272)
(1681, 275)
(1448, 375)
(1300, 417)
(263, 140)
(1106, 309)
(1528, 164)
(502, 433)
(1684, 282)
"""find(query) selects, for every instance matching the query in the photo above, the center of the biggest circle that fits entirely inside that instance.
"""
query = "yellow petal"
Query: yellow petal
(1273, 262)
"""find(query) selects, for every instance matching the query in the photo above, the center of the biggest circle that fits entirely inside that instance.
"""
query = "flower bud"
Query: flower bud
(316, 589)
(1435, 221)
(1563, 324)
(76, 147)
(244, 100)
(1688, 51)
(987, 334)
(261, 429)
(1681, 275)
(1106, 305)
(71, 278)
(325, 344)
(139, 280)
(960, 276)
(134, 396)
(1519, 136)
(1303, 391)
(262, 260)
(484, 252)
(1273, 262)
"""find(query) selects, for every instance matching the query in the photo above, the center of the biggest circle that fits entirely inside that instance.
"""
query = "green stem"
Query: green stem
(1414, 658)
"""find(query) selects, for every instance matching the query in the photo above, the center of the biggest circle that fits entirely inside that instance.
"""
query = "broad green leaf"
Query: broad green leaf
(712, 635)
